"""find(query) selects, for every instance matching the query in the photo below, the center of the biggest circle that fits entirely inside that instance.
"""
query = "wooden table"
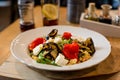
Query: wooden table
(10, 67)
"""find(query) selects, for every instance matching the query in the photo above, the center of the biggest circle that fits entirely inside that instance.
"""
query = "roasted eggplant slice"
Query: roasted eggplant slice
(54, 53)
(48, 56)
(51, 46)
(53, 33)
(46, 52)
(54, 46)
(89, 43)
(51, 50)
(46, 46)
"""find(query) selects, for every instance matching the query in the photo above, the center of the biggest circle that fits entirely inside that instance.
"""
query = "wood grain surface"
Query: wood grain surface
(10, 67)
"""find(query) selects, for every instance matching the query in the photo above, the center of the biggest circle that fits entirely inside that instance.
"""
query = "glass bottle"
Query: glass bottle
(105, 16)
(91, 15)
(26, 14)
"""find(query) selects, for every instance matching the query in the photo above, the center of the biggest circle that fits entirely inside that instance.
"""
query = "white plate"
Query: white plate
(19, 47)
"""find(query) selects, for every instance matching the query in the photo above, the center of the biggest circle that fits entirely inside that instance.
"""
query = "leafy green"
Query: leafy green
(43, 60)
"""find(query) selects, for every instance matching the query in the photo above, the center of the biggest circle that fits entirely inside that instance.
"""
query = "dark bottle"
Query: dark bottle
(105, 16)
(91, 15)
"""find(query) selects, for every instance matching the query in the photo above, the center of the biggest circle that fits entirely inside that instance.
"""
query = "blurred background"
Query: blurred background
(9, 9)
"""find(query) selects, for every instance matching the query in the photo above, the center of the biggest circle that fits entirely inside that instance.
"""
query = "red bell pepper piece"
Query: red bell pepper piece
(71, 51)
(36, 42)
(67, 35)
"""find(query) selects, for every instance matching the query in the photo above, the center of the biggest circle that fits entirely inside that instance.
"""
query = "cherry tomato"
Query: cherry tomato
(67, 35)
(36, 42)
(71, 51)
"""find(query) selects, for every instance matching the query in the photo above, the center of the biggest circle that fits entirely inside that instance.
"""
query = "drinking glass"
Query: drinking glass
(50, 12)
(26, 14)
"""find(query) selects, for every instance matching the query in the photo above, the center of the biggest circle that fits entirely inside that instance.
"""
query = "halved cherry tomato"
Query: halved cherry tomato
(67, 35)
(71, 51)
(36, 42)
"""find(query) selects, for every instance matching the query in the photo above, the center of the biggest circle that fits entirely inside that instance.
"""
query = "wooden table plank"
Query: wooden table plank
(6, 37)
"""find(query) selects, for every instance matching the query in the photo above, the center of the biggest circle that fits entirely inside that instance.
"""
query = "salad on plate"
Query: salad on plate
(61, 49)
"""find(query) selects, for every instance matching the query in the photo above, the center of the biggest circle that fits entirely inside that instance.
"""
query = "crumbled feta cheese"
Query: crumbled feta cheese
(50, 40)
(37, 49)
(60, 60)
(57, 39)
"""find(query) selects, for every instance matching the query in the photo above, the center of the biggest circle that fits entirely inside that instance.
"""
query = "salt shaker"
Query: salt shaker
(26, 14)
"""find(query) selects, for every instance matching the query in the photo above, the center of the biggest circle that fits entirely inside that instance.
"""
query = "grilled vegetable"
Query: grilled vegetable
(44, 60)
(66, 35)
(54, 53)
(53, 33)
(89, 43)
(35, 42)
(51, 50)
(71, 51)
